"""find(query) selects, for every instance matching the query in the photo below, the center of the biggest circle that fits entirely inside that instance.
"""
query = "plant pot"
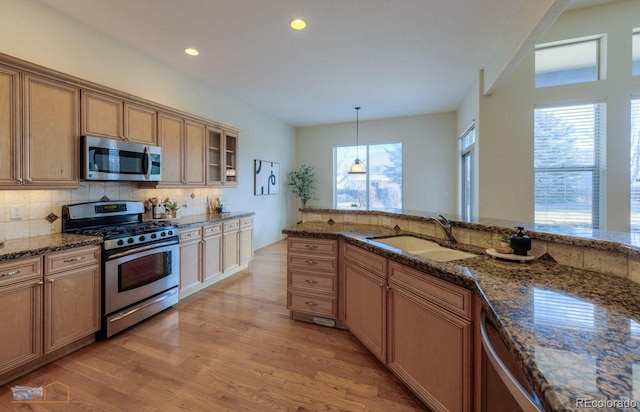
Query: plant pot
(503, 247)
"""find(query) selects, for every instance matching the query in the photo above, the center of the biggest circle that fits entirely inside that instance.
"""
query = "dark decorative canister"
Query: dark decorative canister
(520, 242)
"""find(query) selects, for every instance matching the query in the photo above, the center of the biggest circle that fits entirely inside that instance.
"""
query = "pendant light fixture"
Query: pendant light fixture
(357, 168)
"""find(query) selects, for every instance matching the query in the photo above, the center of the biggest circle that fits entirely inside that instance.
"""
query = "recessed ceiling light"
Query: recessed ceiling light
(298, 24)
(191, 52)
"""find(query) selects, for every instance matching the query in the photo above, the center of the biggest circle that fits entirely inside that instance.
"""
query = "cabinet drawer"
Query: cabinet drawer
(313, 304)
(230, 226)
(19, 270)
(312, 281)
(314, 262)
(306, 245)
(213, 230)
(70, 259)
(376, 264)
(190, 234)
(246, 222)
(440, 292)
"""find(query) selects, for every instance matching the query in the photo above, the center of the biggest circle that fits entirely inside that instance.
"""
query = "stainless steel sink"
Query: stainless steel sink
(421, 247)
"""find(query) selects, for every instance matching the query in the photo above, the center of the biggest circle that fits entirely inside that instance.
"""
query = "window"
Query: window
(379, 188)
(567, 63)
(567, 161)
(635, 53)
(635, 165)
(467, 144)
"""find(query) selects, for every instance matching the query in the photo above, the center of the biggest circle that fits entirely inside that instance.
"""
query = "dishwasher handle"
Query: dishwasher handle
(528, 402)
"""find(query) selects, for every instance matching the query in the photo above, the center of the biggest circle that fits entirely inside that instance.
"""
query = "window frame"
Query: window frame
(467, 164)
(598, 201)
(600, 42)
(366, 159)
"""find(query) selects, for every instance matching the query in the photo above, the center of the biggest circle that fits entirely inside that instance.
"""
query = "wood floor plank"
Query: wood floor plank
(230, 347)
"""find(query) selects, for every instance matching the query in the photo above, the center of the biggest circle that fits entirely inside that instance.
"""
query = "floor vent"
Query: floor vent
(324, 322)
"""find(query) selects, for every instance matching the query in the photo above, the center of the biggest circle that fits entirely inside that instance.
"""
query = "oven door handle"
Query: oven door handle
(142, 249)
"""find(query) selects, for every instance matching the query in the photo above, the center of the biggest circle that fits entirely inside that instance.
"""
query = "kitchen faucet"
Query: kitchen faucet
(445, 224)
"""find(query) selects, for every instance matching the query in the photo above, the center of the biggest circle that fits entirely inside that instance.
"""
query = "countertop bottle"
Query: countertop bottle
(520, 242)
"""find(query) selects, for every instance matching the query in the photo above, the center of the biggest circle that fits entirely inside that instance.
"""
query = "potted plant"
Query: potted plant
(171, 207)
(501, 242)
(302, 183)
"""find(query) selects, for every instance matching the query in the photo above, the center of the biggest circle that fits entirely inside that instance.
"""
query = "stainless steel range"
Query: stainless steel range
(140, 260)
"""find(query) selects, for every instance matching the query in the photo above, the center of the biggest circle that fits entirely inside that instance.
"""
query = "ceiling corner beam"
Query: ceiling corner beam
(532, 20)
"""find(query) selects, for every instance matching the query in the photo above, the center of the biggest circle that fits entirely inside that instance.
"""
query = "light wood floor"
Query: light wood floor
(231, 347)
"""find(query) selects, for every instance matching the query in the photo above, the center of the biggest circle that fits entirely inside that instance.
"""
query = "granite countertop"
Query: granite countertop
(576, 333)
(197, 220)
(40, 245)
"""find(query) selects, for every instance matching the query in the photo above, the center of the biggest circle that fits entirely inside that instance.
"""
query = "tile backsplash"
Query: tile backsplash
(39, 204)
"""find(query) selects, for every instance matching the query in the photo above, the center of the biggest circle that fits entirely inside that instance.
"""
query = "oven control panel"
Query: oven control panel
(127, 240)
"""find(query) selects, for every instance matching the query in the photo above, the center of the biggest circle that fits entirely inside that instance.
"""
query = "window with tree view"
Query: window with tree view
(567, 163)
(379, 188)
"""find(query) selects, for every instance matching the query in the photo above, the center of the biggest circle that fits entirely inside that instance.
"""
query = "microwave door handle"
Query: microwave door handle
(147, 161)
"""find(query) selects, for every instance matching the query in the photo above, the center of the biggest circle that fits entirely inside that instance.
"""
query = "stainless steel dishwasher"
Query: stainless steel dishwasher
(504, 387)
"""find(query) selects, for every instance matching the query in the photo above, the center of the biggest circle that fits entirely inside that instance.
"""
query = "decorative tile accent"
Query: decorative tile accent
(331, 222)
(51, 217)
(567, 255)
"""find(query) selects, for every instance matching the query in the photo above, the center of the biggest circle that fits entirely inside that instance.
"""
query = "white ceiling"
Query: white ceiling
(393, 58)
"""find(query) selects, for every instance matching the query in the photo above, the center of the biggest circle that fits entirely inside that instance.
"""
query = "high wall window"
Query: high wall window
(467, 145)
(635, 53)
(635, 165)
(379, 188)
(567, 161)
(567, 63)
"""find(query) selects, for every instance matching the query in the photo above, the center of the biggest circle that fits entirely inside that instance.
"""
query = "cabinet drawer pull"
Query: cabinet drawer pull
(311, 262)
(311, 281)
(308, 246)
(13, 272)
(309, 303)
(75, 259)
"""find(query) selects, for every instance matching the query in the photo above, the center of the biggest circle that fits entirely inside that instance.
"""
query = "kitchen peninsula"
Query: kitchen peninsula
(573, 331)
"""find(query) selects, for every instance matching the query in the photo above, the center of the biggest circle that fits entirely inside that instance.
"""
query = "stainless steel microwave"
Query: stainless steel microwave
(109, 159)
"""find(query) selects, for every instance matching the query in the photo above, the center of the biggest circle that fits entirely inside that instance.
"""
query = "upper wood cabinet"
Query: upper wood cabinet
(114, 118)
(222, 157)
(50, 145)
(38, 132)
(183, 156)
(10, 136)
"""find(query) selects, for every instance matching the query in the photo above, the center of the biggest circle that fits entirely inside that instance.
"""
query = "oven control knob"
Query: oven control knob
(120, 242)
(130, 240)
(153, 236)
(170, 232)
(141, 238)
(163, 234)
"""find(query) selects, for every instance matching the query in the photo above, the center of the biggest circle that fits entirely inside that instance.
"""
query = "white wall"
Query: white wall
(505, 176)
(38, 34)
(429, 156)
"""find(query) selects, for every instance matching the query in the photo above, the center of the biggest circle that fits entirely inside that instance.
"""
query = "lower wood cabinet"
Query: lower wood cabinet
(71, 296)
(48, 307)
(312, 270)
(212, 252)
(365, 299)
(20, 312)
(418, 324)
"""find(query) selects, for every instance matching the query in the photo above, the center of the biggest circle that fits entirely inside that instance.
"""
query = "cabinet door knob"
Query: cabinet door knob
(388, 287)
(20, 180)
(51, 280)
(40, 283)
(381, 285)
(29, 179)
